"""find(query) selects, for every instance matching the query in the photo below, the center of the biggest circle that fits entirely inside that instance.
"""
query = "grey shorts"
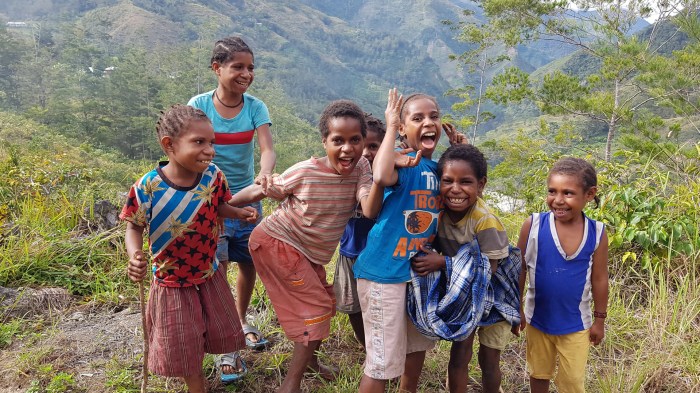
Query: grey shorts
(345, 286)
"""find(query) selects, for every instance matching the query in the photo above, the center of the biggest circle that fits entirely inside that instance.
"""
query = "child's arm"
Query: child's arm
(138, 266)
(250, 194)
(267, 156)
(372, 203)
(247, 213)
(599, 287)
(522, 245)
(383, 170)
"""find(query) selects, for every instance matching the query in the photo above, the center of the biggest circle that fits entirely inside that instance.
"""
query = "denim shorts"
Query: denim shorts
(233, 241)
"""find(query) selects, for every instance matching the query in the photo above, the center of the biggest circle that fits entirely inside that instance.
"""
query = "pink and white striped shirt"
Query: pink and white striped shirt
(316, 204)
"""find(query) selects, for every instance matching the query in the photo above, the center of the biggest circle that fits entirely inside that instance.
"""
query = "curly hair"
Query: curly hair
(341, 108)
(467, 153)
(375, 125)
(176, 118)
(226, 48)
(579, 168)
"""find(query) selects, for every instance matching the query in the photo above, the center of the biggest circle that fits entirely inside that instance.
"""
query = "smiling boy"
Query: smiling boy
(293, 244)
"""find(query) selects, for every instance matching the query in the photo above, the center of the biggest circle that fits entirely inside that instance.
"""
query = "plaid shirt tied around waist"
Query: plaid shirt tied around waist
(450, 304)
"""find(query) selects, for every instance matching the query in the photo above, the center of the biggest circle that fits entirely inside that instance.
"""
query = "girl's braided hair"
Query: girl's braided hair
(225, 48)
(579, 168)
(174, 120)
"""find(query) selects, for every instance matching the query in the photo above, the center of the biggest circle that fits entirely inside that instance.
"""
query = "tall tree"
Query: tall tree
(615, 88)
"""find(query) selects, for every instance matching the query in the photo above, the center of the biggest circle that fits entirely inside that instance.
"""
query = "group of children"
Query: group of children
(385, 206)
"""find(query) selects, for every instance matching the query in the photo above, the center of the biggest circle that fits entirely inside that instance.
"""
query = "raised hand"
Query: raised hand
(392, 113)
(403, 160)
(455, 137)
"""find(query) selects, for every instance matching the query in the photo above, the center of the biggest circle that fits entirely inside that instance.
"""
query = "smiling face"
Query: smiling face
(372, 143)
(566, 197)
(237, 74)
(459, 187)
(344, 144)
(421, 125)
(192, 150)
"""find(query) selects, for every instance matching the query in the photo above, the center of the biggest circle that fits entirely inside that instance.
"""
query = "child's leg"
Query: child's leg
(326, 372)
(301, 357)
(416, 345)
(541, 355)
(573, 354)
(414, 366)
(357, 327)
(195, 383)
(458, 367)
(492, 341)
(489, 361)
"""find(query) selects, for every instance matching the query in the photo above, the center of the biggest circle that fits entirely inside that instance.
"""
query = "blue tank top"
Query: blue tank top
(558, 299)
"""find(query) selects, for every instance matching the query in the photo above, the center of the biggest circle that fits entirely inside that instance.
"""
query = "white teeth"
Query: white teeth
(456, 200)
(429, 134)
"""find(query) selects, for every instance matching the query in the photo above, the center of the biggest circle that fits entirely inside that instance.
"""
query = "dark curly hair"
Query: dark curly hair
(176, 118)
(226, 48)
(467, 153)
(579, 168)
(341, 108)
(375, 125)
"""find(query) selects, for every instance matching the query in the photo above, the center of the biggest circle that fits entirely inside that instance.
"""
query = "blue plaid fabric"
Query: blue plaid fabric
(504, 291)
(449, 304)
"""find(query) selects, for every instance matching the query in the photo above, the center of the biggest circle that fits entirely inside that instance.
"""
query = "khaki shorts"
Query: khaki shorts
(572, 350)
(389, 333)
(495, 336)
(345, 286)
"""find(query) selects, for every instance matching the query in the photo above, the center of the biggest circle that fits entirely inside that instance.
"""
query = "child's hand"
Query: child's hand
(597, 331)
(264, 180)
(455, 137)
(392, 113)
(428, 262)
(137, 266)
(523, 321)
(403, 160)
(248, 214)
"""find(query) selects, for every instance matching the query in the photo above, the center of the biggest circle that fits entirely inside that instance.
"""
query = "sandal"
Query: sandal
(232, 360)
(258, 345)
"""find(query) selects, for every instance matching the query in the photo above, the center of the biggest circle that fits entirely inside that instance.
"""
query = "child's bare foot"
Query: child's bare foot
(329, 373)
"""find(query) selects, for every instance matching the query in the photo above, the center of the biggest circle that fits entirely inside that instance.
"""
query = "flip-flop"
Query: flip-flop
(259, 345)
(231, 359)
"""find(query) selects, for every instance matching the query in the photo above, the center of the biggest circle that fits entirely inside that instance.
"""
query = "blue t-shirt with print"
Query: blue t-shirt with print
(408, 219)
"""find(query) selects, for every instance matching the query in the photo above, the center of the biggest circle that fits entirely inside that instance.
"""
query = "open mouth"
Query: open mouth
(456, 201)
(345, 162)
(244, 84)
(428, 139)
(207, 162)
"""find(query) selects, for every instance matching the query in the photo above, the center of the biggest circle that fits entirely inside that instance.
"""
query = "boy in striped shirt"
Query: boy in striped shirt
(292, 245)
